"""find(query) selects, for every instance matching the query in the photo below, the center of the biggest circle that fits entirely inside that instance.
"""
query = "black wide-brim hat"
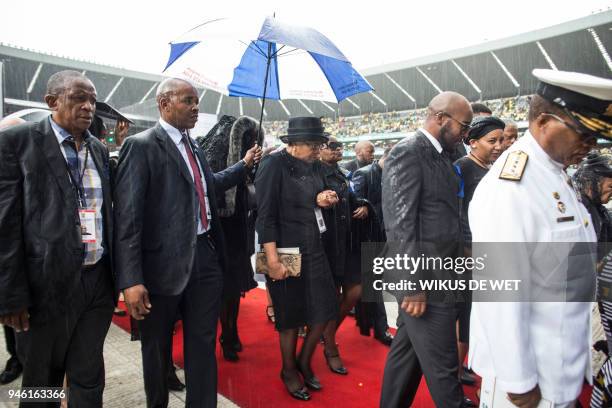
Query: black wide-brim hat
(305, 129)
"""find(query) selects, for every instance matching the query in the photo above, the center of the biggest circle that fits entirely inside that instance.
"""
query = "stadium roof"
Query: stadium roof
(490, 70)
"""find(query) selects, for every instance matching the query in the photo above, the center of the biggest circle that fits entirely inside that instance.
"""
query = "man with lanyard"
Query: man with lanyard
(56, 284)
(531, 346)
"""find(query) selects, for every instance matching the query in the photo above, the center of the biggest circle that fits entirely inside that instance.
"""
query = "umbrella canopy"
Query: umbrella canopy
(273, 60)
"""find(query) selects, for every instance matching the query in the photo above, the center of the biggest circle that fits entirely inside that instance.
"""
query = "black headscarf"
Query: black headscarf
(482, 125)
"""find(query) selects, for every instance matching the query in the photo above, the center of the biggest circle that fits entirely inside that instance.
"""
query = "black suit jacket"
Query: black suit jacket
(351, 165)
(367, 184)
(41, 252)
(156, 208)
(421, 206)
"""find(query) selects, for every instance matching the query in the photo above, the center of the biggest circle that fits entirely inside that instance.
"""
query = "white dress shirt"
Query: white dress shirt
(432, 139)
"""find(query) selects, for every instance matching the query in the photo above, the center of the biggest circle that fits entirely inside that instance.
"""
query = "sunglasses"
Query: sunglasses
(464, 126)
(333, 146)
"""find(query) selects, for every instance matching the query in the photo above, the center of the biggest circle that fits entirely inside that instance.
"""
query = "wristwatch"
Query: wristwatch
(244, 162)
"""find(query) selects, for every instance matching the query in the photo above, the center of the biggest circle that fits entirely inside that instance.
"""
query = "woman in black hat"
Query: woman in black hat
(485, 139)
(290, 195)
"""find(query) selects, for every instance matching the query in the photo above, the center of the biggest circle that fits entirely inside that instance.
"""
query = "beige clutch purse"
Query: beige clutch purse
(290, 257)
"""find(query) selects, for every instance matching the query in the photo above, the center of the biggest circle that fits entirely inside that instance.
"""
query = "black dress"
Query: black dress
(239, 232)
(341, 248)
(471, 173)
(286, 190)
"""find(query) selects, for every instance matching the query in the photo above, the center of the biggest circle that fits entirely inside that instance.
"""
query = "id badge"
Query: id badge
(88, 225)
(320, 220)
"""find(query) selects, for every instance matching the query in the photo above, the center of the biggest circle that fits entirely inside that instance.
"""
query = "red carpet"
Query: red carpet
(254, 380)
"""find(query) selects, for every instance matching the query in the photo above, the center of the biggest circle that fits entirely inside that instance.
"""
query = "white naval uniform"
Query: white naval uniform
(521, 344)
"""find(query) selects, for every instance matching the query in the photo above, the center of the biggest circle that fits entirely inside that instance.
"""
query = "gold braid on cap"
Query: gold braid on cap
(594, 124)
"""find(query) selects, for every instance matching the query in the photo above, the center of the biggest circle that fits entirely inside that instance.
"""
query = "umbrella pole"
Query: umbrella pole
(263, 100)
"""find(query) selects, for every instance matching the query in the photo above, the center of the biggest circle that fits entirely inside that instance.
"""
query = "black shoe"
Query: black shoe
(12, 371)
(230, 353)
(468, 403)
(312, 383)
(341, 370)
(236, 345)
(302, 394)
(364, 331)
(386, 338)
(467, 379)
(174, 384)
(468, 370)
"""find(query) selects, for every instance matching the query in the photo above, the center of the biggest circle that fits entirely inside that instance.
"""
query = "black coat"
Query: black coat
(155, 211)
(286, 191)
(345, 234)
(337, 239)
(352, 165)
(421, 205)
(41, 252)
(602, 224)
(367, 184)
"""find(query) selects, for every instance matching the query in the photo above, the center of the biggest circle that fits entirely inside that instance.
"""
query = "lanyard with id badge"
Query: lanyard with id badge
(87, 216)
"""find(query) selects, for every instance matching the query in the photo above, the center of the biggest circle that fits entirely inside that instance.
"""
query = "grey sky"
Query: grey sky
(135, 34)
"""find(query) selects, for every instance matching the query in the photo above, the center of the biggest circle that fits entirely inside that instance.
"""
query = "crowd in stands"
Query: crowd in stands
(398, 122)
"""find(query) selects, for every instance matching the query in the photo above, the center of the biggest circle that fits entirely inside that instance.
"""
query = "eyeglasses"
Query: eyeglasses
(464, 126)
(571, 126)
(314, 145)
(333, 146)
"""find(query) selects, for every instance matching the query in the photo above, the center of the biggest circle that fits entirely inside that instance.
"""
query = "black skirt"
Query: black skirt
(307, 300)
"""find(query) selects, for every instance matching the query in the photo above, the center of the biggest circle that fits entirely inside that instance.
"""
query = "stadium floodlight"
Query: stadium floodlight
(144, 98)
(429, 80)
(112, 92)
(546, 56)
(240, 105)
(467, 77)
(284, 107)
(305, 107)
(503, 67)
(219, 104)
(601, 48)
(34, 78)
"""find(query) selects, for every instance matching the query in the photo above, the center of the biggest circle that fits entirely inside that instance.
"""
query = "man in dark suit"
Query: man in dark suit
(56, 283)
(421, 212)
(367, 184)
(364, 155)
(169, 243)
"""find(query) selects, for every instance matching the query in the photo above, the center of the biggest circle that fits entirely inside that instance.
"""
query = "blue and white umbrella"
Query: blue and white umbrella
(273, 60)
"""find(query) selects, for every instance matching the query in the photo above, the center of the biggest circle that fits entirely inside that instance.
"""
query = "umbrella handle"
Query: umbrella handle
(263, 103)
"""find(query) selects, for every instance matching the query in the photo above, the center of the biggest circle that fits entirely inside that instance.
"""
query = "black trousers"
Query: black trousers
(423, 346)
(9, 336)
(199, 305)
(380, 318)
(71, 344)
